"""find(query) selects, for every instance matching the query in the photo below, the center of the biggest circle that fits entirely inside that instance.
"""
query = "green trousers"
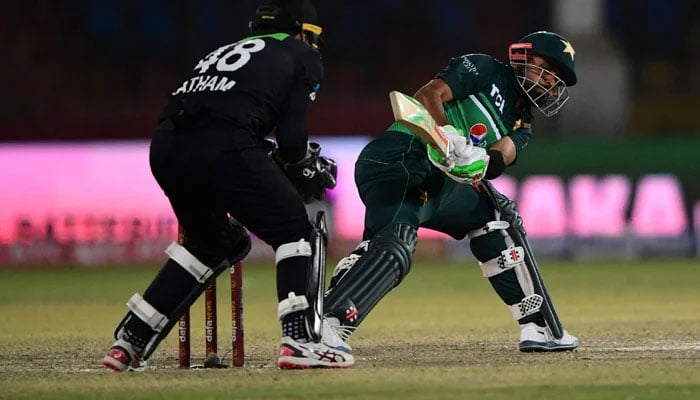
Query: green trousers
(397, 183)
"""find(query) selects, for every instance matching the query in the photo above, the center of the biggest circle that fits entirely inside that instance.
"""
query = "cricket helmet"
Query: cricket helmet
(558, 52)
(291, 16)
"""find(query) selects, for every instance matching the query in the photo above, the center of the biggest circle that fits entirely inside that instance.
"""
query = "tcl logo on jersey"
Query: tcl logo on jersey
(225, 59)
(477, 133)
(498, 100)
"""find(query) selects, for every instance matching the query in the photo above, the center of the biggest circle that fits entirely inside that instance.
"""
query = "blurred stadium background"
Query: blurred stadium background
(613, 175)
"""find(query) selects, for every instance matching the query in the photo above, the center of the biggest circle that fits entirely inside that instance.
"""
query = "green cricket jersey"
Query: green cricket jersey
(397, 182)
(483, 106)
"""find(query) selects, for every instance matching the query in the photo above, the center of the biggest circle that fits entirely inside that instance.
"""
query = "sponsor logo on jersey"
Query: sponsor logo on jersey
(477, 133)
(469, 65)
(498, 101)
(312, 95)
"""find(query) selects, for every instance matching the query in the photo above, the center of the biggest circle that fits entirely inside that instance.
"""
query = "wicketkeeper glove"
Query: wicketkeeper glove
(465, 162)
(312, 175)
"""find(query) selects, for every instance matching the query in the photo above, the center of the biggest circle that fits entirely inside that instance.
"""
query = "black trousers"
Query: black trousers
(209, 173)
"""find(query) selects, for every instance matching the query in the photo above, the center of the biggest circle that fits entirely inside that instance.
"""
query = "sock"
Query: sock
(294, 326)
(136, 341)
(137, 333)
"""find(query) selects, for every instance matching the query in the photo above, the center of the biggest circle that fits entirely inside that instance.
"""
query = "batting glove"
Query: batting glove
(465, 163)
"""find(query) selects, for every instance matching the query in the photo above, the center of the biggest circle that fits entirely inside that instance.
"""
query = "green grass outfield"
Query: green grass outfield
(443, 334)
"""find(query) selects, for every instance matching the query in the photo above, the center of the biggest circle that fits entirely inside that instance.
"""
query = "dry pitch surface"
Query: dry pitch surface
(443, 334)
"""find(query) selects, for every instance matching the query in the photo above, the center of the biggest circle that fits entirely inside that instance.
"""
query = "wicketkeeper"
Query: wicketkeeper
(210, 158)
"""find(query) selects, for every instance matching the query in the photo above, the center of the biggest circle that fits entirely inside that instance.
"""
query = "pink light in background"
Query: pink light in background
(87, 181)
(598, 205)
(542, 204)
(349, 212)
(83, 189)
(658, 208)
(104, 191)
(507, 185)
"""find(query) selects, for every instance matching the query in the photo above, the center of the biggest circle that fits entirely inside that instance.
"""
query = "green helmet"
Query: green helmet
(557, 50)
(547, 97)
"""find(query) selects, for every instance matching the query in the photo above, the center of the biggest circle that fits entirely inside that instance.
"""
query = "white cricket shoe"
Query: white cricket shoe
(335, 335)
(537, 338)
(296, 355)
(122, 357)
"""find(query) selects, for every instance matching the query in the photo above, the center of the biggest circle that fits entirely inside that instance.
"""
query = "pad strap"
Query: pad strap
(489, 227)
(509, 258)
(190, 263)
(147, 313)
(294, 249)
(291, 304)
(527, 306)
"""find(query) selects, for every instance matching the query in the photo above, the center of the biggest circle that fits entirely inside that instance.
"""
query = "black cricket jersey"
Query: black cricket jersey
(257, 84)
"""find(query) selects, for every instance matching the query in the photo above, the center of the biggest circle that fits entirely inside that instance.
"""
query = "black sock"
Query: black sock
(294, 326)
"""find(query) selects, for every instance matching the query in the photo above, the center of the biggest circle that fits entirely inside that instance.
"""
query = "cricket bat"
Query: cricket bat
(411, 114)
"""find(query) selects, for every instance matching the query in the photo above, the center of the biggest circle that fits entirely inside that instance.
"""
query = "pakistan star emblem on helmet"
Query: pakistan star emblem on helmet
(568, 48)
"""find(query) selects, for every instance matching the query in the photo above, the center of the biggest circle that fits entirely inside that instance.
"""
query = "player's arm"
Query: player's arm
(432, 95)
(292, 130)
(505, 151)
(460, 78)
(501, 154)
(509, 146)
(301, 160)
(464, 162)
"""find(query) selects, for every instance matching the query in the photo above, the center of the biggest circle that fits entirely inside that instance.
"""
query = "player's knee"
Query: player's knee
(510, 213)
(228, 242)
(235, 241)
(487, 246)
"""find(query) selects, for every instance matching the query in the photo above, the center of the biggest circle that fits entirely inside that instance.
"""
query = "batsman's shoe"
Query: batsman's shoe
(537, 338)
(336, 335)
(122, 357)
(296, 355)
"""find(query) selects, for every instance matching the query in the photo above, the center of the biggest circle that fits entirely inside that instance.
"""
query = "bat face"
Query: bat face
(411, 114)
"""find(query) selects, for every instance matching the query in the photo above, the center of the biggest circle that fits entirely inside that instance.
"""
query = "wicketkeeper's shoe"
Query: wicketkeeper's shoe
(122, 357)
(537, 338)
(296, 355)
(336, 335)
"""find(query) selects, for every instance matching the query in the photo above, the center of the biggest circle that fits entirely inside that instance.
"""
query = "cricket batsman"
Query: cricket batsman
(483, 106)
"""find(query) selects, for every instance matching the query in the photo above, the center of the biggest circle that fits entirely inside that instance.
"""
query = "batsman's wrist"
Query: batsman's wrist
(497, 164)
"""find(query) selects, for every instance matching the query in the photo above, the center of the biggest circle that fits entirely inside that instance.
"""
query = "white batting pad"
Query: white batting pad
(294, 249)
(527, 306)
(291, 304)
(509, 258)
(190, 263)
(489, 227)
(147, 313)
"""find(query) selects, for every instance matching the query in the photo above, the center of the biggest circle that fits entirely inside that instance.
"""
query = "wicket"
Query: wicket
(212, 359)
